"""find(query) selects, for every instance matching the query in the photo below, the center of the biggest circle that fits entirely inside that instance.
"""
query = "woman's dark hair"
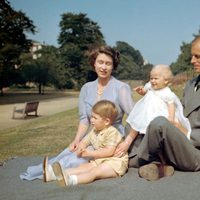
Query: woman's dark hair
(106, 50)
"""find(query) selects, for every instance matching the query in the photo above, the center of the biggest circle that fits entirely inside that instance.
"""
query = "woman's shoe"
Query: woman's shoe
(61, 177)
(48, 174)
(155, 171)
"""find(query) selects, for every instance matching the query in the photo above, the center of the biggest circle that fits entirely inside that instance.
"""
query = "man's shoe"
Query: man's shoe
(155, 171)
(62, 178)
(48, 174)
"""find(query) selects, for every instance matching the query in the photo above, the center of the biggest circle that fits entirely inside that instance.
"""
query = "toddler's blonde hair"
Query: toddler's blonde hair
(165, 71)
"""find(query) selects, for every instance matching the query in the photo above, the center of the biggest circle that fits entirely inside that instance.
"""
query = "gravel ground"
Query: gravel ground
(46, 108)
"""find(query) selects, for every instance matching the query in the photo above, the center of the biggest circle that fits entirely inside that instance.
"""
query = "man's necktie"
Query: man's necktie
(197, 84)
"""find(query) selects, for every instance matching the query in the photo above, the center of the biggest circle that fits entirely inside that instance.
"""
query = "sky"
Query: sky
(157, 28)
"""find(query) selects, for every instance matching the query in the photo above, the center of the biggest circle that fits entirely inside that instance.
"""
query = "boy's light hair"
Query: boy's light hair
(165, 71)
(105, 109)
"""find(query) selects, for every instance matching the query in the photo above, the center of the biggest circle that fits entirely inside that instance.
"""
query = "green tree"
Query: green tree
(35, 71)
(72, 59)
(44, 70)
(13, 41)
(183, 62)
(146, 72)
(127, 50)
(131, 62)
(78, 35)
(78, 29)
(56, 71)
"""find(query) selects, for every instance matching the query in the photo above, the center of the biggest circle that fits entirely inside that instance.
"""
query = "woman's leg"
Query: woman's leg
(66, 159)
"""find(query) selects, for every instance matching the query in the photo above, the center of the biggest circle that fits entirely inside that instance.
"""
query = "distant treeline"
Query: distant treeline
(65, 66)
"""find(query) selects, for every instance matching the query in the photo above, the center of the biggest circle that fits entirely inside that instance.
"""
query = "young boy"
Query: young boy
(104, 139)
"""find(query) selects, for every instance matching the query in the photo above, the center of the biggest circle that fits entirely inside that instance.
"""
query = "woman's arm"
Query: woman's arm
(126, 103)
(181, 128)
(83, 122)
(125, 99)
(123, 147)
(81, 147)
(82, 129)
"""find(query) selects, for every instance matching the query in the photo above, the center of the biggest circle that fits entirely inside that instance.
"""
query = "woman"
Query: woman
(104, 60)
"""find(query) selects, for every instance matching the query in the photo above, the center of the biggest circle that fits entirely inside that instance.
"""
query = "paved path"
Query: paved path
(46, 108)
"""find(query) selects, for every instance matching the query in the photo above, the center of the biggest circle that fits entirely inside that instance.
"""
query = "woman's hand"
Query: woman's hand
(82, 129)
(121, 150)
(171, 119)
(74, 145)
(123, 147)
(180, 127)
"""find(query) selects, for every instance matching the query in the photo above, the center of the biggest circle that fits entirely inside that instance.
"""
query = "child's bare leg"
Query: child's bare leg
(69, 176)
(99, 172)
(83, 168)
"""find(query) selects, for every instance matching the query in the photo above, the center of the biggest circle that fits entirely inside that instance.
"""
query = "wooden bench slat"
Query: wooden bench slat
(29, 107)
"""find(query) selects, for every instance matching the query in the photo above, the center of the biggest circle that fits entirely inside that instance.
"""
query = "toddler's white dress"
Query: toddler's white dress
(154, 104)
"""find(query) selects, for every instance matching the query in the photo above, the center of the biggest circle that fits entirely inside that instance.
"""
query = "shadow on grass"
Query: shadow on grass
(21, 96)
(27, 117)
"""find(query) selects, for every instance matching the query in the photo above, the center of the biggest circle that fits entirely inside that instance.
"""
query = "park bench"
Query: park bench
(29, 107)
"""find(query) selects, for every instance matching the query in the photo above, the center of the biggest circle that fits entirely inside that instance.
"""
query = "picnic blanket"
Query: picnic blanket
(181, 186)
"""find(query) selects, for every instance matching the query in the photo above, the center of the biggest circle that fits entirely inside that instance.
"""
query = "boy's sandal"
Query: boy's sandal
(60, 176)
(45, 164)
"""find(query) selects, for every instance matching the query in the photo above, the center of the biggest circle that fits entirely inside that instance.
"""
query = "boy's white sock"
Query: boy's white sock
(52, 175)
(73, 180)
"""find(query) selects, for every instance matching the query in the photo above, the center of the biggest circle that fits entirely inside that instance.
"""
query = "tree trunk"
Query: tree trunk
(40, 88)
(1, 91)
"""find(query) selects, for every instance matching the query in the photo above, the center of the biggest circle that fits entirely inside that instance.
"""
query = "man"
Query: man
(165, 140)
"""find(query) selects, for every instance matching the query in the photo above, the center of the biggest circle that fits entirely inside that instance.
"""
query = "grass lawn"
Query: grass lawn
(46, 136)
